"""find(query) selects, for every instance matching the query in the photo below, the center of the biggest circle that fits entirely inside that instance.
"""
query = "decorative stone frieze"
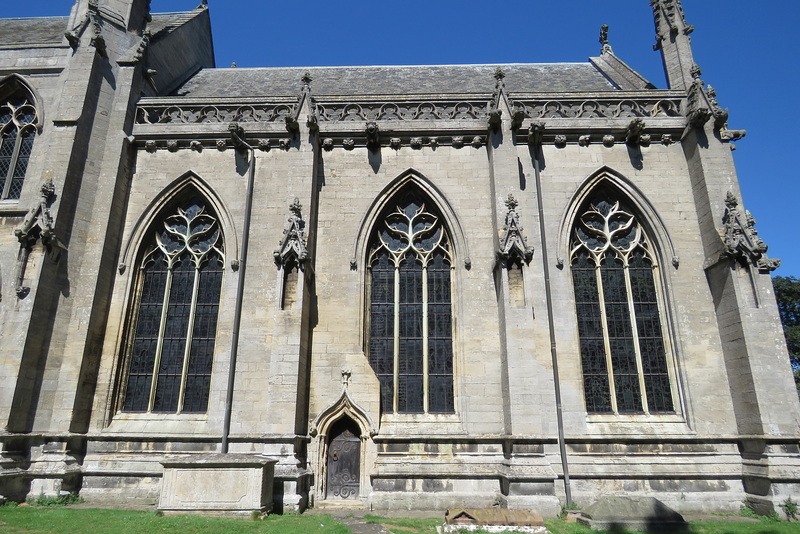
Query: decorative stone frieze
(433, 141)
(264, 145)
(560, 141)
(285, 144)
(599, 108)
(416, 142)
(740, 238)
(406, 111)
(395, 143)
(327, 144)
(609, 140)
(666, 139)
(172, 145)
(212, 114)
(196, 145)
(585, 140)
(513, 245)
(458, 141)
(293, 245)
(150, 146)
(349, 144)
(222, 144)
(477, 141)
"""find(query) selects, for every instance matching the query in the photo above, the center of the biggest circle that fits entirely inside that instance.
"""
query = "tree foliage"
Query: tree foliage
(787, 291)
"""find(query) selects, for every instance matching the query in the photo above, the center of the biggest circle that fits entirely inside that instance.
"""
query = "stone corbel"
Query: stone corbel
(495, 119)
(633, 135)
(513, 245)
(373, 136)
(293, 245)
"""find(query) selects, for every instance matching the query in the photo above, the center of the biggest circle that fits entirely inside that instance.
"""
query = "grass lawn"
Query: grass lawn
(67, 520)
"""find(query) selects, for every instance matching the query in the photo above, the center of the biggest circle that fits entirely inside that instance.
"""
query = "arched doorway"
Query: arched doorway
(343, 460)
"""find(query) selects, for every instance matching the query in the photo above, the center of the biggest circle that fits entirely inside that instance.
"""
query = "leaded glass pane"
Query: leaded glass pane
(17, 123)
(381, 321)
(410, 387)
(608, 237)
(440, 336)
(176, 330)
(148, 321)
(651, 342)
(198, 377)
(409, 242)
(190, 239)
(590, 331)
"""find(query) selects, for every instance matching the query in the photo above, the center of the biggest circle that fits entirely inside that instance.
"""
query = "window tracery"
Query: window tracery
(180, 278)
(18, 123)
(410, 315)
(623, 353)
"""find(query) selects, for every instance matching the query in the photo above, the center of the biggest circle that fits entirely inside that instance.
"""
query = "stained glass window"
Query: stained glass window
(623, 354)
(18, 120)
(176, 322)
(410, 310)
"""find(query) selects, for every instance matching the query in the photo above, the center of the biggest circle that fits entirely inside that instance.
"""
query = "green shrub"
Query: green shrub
(60, 500)
(790, 508)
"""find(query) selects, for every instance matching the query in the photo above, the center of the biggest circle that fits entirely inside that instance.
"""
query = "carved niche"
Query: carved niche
(293, 244)
(740, 238)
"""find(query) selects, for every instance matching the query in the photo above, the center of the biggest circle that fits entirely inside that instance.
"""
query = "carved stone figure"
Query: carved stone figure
(513, 245)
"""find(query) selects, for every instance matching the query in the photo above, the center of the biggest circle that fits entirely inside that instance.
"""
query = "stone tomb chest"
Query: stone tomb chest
(217, 483)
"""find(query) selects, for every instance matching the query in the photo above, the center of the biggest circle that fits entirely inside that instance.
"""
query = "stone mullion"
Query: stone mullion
(425, 349)
(189, 334)
(396, 344)
(160, 344)
(606, 339)
(635, 334)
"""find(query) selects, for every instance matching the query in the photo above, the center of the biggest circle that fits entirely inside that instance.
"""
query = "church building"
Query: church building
(518, 285)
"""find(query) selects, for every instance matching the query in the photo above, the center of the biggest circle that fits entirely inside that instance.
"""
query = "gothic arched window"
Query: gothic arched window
(410, 311)
(623, 352)
(18, 122)
(177, 302)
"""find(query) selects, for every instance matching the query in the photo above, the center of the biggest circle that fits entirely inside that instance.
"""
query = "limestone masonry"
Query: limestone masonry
(416, 287)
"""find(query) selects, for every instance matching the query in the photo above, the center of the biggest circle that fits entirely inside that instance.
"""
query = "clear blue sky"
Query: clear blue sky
(747, 50)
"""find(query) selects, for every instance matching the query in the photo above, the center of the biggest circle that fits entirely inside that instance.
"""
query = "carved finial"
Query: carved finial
(696, 71)
(604, 40)
(306, 78)
(48, 190)
(347, 374)
(499, 74)
(295, 207)
(233, 65)
(513, 245)
(730, 200)
(511, 202)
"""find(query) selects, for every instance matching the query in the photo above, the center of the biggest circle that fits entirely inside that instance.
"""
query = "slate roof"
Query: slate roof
(42, 30)
(50, 30)
(395, 80)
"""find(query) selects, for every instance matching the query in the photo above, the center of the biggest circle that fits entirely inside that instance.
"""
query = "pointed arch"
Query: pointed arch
(611, 242)
(16, 84)
(344, 406)
(648, 215)
(177, 257)
(185, 186)
(409, 251)
(409, 179)
(20, 121)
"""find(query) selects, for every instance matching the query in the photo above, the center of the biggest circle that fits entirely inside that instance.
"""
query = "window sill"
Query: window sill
(415, 424)
(158, 423)
(632, 425)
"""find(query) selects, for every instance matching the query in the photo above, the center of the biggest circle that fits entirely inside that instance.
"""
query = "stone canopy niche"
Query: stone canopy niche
(236, 483)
